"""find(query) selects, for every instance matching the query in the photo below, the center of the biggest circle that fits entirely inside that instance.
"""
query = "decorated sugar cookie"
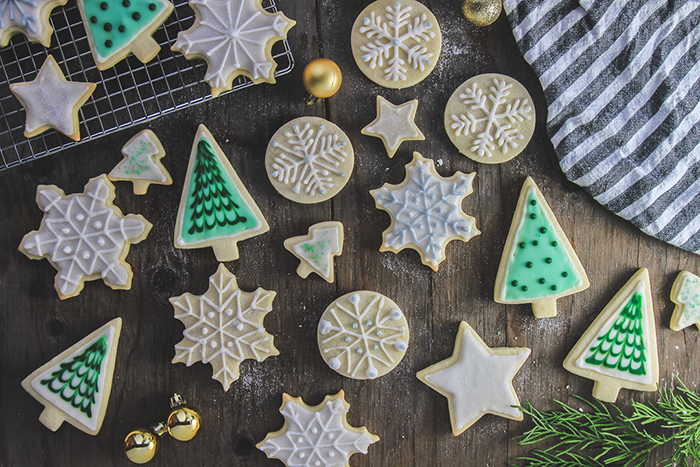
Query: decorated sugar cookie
(477, 380)
(396, 43)
(141, 164)
(216, 209)
(28, 17)
(363, 335)
(309, 160)
(394, 124)
(51, 101)
(685, 293)
(538, 264)
(316, 436)
(224, 326)
(234, 37)
(75, 385)
(84, 236)
(116, 28)
(426, 211)
(490, 118)
(618, 350)
(317, 249)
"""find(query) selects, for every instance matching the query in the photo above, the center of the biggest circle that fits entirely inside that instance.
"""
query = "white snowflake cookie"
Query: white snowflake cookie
(363, 335)
(426, 211)
(309, 160)
(490, 118)
(396, 43)
(141, 164)
(234, 37)
(29, 17)
(316, 436)
(224, 326)
(84, 236)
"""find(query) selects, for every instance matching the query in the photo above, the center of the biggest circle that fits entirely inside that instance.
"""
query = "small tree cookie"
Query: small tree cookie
(685, 293)
(538, 264)
(141, 164)
(317, 249)
(619, 348)
(75, 385)
(216, 209)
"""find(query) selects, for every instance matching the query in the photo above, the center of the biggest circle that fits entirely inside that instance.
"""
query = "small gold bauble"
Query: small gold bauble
(322, 78)
(141, 445)
(481, 12)
(184, 422)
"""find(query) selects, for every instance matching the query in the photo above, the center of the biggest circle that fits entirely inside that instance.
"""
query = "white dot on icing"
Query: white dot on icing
(331, 454)
(354, 298)
(371, 373)
(314, 430)
(400, 345)
(323, 191)
(322, 127)
(295, 190)
(317, 463)
(355, 325)
(302, 455)
(359, 351)
(275, 174)
(97, 224)
(365, 20)
(368, 322)
(228, 311)
(273, 144)
(229, 344)
(205, 331)
(213, 344)
(334, 363)
(101, 241)
(395, 314)
(295, 127)
(343, 174)
(80, 217)
(67, 250)
(211, 314)
(239, 326)
(330, 436)
(86, 254)
(347, 339)
(65, 230)
(379, 333)
(300, 440)
(375, 347)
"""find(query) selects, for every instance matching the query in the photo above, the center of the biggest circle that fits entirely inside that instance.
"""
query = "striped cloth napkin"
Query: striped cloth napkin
(622, 82)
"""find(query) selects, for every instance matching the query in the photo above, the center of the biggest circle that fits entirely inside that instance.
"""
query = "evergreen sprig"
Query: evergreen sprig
(603, 436)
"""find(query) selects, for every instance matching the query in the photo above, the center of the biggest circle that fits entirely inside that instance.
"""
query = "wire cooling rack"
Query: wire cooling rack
(127, 94)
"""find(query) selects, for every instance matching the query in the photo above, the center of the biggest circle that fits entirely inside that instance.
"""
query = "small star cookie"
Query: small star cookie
(316, 436)
(29, 17)
(51, 101)
(477, 380)
(141, 164)
(685, 293)
(394, 124)
(317, 249)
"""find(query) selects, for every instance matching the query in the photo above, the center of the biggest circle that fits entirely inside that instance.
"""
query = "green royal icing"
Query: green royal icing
(690, 297)
(114, 23)
(539, 265)
(214, 208)
(76, 381)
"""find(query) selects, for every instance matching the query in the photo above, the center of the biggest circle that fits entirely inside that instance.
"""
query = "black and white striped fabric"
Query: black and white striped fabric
(622, 82)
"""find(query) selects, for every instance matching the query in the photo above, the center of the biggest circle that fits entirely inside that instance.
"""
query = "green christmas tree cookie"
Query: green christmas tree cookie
(216, 210)
(685, 293)
(538, 264)
(75, 385)
(619, 348)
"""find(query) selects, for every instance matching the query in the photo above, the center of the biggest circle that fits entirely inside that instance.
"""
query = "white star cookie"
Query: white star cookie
(29, 17)
(141, 164)
(394, 124)
(316, 436)
(477, 379)
(51, 101)
(224, 326)
(426, 211)
(84, 236)
(234, 37)
(685, 293)
(317, 249)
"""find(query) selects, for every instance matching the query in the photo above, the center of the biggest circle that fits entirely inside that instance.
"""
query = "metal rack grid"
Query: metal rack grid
(127, 94)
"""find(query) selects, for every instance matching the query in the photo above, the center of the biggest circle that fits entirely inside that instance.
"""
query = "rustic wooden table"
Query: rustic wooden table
(411, 419)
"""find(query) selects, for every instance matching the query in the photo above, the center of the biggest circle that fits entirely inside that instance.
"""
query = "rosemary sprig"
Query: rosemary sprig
(604, 436)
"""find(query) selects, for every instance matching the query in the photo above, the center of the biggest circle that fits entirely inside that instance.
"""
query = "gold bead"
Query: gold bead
(481, 12)
(183, 422)
(321, 78)
(141, 445)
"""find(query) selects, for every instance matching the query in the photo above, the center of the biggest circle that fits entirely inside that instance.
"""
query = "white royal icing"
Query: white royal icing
(689, 297)
(394, 123)
(326, 243)
(140, 163)
(23, 14)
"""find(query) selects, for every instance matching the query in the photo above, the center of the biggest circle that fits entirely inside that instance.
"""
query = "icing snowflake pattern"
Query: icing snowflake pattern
(491, 116)
(316, 436)
(388, 41)
(224, 326)
(18, 12)
(84, 235)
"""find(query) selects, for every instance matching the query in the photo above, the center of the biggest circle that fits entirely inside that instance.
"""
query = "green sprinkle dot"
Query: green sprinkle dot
(543, 229)
(554, 287)
(535, 242)
(554, 243)
(548, 260)
(528, 264)
(514, 283)
(533, 202)
(533, 216)
(521, 244)
(564, 274)
(108, 43)
(93, 19)
(542, 280)
(136, 16)
(524, 287)
(104, 6)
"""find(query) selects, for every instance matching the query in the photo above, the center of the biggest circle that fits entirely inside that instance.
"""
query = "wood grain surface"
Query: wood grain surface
(411, 419)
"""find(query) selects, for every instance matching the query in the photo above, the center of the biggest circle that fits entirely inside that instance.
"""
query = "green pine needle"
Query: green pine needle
(603, 436)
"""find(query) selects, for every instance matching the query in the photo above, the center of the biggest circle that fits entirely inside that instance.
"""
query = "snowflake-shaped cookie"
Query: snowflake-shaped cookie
(402, 33)
(426, 212)
(363, 335)
(224, 326)
(309, 160)
(685, 293)
(84, 236)
(490, 118)
(29, 17)
(316, 436)
(234, 37)
(394, 124)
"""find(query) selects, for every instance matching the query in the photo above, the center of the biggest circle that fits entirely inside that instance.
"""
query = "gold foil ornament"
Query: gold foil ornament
(141, 445)
(482, 12)
(322, 79)
(183, 422)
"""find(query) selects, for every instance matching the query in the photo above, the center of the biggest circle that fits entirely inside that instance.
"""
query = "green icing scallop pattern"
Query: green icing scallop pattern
(539, 266)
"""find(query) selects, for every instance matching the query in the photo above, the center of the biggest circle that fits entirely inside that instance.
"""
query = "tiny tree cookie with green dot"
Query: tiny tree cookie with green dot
(685, 293)
(317, 249)
(116, 28)
(619, 348)
(141, 164)
(538, 264)
(74, 386)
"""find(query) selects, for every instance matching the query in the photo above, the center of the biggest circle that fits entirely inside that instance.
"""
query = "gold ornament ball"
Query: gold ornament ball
(482, 12)
(141, 446)
(322, 78)
(183, 423)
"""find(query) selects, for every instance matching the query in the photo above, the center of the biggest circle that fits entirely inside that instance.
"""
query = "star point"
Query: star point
(394, 124)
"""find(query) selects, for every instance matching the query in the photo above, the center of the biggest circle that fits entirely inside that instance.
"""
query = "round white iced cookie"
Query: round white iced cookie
(363, 335)
(490, 118)
(396, 43)
(309, 160)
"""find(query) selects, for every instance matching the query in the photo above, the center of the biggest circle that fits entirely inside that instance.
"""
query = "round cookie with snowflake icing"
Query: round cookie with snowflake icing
(490, 118)
(363, 335)
(309, 160)
(396, 43)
